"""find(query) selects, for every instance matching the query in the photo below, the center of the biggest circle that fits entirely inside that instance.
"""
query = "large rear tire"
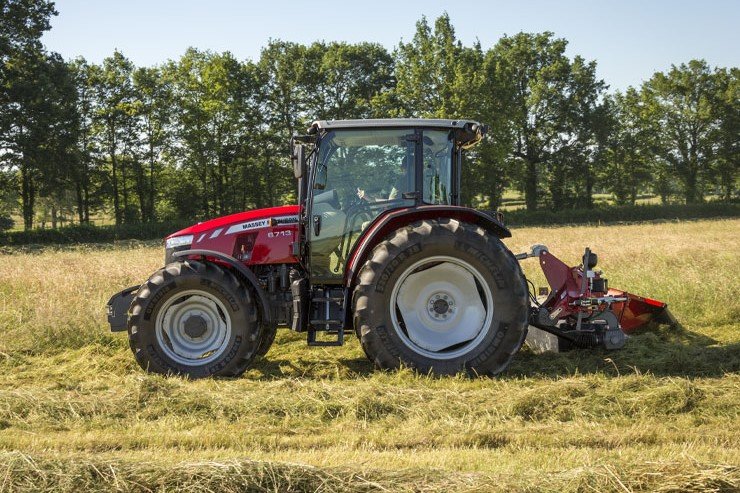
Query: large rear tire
(443, 297)
(194, 318)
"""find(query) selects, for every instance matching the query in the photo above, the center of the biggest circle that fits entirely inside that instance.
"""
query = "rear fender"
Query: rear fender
(386, 223)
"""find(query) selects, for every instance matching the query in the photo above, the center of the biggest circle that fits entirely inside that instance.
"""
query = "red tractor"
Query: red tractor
(378, 244)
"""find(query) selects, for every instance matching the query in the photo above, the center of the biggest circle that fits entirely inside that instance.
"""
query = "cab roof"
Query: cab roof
(392, 122)
(467, 132)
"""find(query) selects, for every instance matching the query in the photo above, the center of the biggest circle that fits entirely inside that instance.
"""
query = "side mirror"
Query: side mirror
(299, 161)
(320, 181)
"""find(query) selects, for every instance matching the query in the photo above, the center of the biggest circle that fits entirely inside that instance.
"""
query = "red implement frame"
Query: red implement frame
(571, 295)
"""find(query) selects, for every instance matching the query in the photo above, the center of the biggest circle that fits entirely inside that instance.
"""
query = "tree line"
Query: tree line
(208, 134)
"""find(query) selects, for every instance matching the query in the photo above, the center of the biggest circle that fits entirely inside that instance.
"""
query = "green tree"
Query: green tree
(682, 103)
(630, 151)
(286, 74)
(38, 123)
(154, 110)
(84, 174)
(8, 198)
(22, 23)
(436, 76)
(283, 67)
(726, 163)
(113, 124)
(190, 132)
(345, 78)
(217, 121)
(551, 102)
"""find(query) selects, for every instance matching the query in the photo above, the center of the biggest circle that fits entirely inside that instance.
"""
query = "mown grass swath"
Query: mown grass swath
(76, 413)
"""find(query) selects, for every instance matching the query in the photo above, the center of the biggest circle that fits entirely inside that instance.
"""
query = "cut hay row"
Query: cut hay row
(24, 472)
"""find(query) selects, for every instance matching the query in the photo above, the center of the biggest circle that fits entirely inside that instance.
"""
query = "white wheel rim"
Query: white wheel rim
(441, 307)
(193, 328)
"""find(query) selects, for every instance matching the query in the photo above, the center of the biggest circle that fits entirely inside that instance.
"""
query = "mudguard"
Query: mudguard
(239, 267)
(392, 220)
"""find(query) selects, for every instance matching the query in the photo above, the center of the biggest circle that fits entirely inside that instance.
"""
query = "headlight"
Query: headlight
(178, 241)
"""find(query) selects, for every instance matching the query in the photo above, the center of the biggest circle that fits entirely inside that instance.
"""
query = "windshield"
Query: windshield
(377, 162)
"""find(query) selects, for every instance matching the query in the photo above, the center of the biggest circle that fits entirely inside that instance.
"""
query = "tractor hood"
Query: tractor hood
(255, 237)
(220, 222)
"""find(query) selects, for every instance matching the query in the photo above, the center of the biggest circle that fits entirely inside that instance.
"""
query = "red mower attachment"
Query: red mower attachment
(581, 311)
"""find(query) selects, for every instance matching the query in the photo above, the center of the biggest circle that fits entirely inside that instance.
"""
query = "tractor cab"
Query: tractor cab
(351, 172)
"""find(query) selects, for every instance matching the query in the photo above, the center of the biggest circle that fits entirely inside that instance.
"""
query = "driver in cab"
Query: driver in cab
(399, 184)
(367, 197)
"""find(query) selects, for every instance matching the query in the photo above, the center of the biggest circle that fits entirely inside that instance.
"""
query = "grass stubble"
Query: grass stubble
(76, 413)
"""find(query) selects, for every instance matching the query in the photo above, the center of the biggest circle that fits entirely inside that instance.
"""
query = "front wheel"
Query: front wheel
(196, 319)
(441, 296)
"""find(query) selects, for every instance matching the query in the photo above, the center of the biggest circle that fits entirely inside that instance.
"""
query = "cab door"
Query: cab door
(359, 174)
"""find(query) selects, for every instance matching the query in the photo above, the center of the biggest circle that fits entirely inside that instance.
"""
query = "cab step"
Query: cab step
(338, 333)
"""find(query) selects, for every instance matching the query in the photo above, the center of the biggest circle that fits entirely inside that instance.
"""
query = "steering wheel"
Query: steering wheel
(357, 208)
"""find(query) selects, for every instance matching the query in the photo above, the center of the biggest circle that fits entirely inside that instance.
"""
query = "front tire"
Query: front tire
(196, 319)
(443, 297)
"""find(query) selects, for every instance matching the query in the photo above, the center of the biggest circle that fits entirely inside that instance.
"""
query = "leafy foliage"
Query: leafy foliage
(207, 134)
(6, 223)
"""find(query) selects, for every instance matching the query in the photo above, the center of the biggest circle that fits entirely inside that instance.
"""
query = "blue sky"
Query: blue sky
(629, 39)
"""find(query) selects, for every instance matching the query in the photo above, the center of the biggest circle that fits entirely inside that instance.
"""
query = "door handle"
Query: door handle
(316, 225)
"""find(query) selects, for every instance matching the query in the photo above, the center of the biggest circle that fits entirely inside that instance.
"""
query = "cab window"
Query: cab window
(438, 150)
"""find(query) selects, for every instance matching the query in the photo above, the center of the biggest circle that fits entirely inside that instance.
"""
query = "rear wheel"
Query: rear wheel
(196, 319)
(441, 296)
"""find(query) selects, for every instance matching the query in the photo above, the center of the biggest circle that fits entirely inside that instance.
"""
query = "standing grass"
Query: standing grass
(76, 413)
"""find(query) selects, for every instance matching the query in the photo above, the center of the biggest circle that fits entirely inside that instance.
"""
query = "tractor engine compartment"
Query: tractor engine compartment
(259, 237)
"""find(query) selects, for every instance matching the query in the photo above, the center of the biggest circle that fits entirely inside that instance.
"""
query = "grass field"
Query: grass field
(663, 414)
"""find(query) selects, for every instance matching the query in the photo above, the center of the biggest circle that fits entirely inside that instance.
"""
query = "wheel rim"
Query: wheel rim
(441, 307)
(193, 328)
